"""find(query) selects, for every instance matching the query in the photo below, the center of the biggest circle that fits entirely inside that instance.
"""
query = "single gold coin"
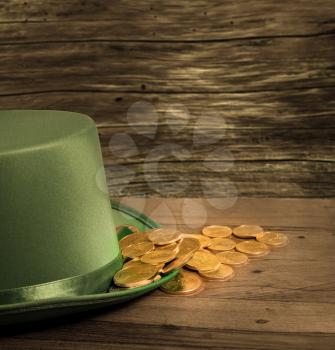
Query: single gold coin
(252, 248)
(203, 260)
(221, 244)
(138, 284)
(204, 240)
(185, 283)
(223, 273)
(164, 235)
(172, 246)
(274, 239)
(134, 275)
(217, 231)
(137, 249)
(132, 262)
(157, 257)
(247, 231)
(131, 239)
(139, 264)
(232, 258)
(177, 263)
(259, 256)
(187, 246)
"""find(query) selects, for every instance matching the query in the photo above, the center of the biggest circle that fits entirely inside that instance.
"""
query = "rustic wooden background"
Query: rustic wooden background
(257, 77)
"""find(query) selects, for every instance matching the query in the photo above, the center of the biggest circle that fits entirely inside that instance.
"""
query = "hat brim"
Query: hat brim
(55, 307)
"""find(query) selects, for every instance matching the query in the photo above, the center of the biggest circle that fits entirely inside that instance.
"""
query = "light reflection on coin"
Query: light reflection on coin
(164, 235)
(221, 244)
(177, 263)
(187, 246)
(232, 258)
(204, 261)
(204, 240)
(247, 231)
(217, 231)
(223, 273)
(274, 239)
(134, 275)
(252, 248)
(131, 239)
(172, 246)
(258, 256)
(185, 283)
(137, 249)
(156, 257)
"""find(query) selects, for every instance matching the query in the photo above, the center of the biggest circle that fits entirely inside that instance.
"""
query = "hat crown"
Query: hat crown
(55, 219)
(24, 131)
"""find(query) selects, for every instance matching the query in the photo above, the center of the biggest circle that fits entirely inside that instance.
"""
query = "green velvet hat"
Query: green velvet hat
(59, 248)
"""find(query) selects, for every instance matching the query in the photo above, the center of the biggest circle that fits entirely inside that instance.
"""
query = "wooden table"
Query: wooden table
(283, 301)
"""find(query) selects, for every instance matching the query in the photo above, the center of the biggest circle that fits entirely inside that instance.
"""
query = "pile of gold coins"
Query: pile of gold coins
(209, 256)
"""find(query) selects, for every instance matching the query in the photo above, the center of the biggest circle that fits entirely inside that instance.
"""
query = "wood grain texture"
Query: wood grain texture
(283, 301)
(231, 66)
(172, 20)
(280, 146)
(258, 80)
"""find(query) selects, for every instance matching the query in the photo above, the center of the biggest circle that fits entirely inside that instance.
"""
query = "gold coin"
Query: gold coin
(203, 260)
(221, 244)
(187, 246)
(254, 257)
(134, 275)
(204, 240)
(131, 239)
(139, 264)
(132, 262)
(274, 239)
(164, 235)
(217, 231)
(232, 258)
(223, 273)
(138, 284)
(137, 249)
(156, 257)
(172, 246)
(177, 263)
(247, 231)
(252, 248)
(185, 283)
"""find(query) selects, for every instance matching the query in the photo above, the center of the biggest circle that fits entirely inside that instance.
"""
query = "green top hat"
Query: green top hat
(58, 240)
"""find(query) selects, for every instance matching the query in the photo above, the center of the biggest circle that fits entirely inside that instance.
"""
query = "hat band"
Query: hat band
(96, 281)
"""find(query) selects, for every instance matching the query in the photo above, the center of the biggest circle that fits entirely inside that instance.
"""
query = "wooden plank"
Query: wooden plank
(170, 21)
(96, 335)
(232, 66)
(296, 109)
(316, 214)
(255, 140)
(259, 179)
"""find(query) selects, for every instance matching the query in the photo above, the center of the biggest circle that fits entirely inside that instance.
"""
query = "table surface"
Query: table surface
(283, 301)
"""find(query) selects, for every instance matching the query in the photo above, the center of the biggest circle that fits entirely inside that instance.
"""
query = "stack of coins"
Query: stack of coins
(208, 256)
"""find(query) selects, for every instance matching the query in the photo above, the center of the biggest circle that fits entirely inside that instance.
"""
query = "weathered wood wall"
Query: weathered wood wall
(257, 77)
